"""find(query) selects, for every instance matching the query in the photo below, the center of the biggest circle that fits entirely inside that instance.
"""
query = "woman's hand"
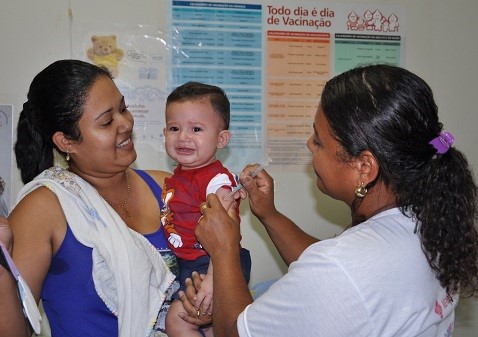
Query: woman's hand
(288, 238)
(218, 230)
(193, 315)
(260, 190)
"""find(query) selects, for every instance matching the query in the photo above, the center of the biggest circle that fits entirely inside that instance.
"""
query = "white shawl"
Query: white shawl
(129, 274)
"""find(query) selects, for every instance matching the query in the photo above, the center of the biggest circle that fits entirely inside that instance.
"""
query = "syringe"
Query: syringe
(253, 174)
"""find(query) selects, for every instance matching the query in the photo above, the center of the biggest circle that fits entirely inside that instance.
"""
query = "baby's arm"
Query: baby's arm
(223, 194)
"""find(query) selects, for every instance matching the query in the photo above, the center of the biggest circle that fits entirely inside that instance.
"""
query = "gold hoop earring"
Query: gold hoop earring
(67, 157)
(360, 190)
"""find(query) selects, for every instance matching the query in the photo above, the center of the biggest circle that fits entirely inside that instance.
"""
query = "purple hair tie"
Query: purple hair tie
(443, 142)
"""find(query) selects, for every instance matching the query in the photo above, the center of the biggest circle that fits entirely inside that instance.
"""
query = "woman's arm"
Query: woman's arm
(12, 321)
(219, 233)
(288, 238)
(8, 292)
(38, 226)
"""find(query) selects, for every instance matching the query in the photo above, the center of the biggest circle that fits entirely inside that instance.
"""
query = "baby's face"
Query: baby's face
(193, 133)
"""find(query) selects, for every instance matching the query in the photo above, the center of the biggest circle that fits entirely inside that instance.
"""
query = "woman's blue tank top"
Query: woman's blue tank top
(69, 297)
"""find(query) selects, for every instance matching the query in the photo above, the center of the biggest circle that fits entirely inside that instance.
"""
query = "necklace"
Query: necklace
(126, 213)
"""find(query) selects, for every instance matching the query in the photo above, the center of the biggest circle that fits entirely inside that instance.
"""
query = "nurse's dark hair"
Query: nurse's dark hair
(392, 113)
(191, 91)
(55, 102)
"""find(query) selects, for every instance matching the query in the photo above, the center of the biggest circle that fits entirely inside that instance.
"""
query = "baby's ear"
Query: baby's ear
(223, 140)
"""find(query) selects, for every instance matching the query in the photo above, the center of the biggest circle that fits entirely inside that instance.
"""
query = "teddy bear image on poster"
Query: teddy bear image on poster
(105, 53)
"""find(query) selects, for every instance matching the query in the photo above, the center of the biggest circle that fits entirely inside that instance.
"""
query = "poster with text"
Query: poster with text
(273, 59)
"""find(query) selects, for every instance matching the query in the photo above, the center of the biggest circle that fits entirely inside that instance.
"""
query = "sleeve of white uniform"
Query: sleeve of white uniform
(315, 298)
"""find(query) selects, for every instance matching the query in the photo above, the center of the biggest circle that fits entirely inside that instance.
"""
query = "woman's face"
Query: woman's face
(335, 177)
(106, 128)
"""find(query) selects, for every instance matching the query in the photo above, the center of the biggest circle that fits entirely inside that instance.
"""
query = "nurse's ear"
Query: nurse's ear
(367, 167)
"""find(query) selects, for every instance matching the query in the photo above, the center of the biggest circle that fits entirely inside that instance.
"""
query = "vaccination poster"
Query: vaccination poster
(272, 58)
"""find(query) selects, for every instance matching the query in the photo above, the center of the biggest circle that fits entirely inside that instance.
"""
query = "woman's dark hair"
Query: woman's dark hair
(195, 90)
(55, 103)
(392, 113)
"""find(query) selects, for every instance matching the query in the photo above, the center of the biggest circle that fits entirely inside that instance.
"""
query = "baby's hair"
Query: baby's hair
(191, 91)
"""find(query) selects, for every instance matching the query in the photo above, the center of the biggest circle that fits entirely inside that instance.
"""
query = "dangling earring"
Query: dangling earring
(360, 190)
(67, 157)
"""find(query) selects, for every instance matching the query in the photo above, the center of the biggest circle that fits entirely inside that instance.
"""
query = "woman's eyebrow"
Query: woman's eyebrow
(316, 133)
(101, 114)
(110, 109)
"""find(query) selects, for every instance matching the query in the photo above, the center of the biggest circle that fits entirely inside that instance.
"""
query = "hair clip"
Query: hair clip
(443, 142)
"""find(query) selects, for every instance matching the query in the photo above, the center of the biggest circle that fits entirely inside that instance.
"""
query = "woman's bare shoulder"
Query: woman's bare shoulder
(41, 205)
(158, 176)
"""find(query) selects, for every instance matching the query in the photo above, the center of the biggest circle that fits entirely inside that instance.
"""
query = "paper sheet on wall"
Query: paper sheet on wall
(272, 58)
(142, 72)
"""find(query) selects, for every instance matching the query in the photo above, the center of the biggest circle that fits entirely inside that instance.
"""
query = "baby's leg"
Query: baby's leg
(176, 326)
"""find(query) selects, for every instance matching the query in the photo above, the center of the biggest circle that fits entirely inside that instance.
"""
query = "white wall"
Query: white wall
(440, 47)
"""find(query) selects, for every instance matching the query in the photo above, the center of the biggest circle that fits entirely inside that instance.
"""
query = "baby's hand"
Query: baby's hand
(204, 296)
